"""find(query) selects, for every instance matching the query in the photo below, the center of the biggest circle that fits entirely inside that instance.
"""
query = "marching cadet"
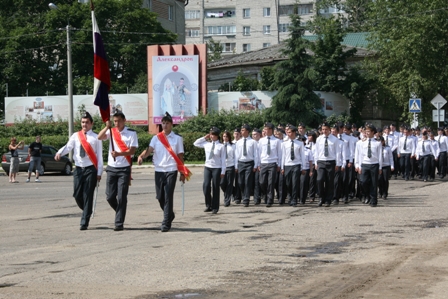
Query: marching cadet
(214, 169)
(229, 177)
(328, 160)
(388, 167)
(442, 142)
(349, 152)
(269, 157)
(338, 174)
(256, 135)
(423, 154)
(280, 185)
(394, 149)
(307, 173)
(246, 163)
(435, 145)
(406, 150)
(236, 186)
(88, 156)
(369, 157)
(122, 146)
(292, 159)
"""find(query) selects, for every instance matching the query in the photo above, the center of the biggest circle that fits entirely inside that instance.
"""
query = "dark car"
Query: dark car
(48, 163)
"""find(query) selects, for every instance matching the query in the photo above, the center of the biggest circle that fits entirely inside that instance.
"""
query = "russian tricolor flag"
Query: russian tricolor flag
(101, 73)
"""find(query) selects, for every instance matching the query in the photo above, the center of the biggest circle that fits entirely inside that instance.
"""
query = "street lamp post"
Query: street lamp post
(69, 79)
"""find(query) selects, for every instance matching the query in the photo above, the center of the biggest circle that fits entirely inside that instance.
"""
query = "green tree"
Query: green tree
(33, 44)
(295, 100)
(268, 78)
(214, 50)
(411, 39)
(241, 83)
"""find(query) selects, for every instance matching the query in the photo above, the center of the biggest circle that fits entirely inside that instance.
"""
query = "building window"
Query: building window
(246, 30)
(246, 12)
(170, 12)
(219, 13)
(267, 29)
(283, 27)
(192, 14)
(192, 32)
(246, 47)
(221, 30)
(266, 11)
(286, 10)
(265, 45)
(228, 47)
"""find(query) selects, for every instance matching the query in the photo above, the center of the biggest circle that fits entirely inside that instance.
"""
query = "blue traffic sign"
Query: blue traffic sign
(415, 105)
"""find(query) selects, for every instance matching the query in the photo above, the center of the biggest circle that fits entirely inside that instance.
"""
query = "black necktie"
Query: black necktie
(405, 141)
(244, 148)
(212, 152)
(387, 140)
(369, 150)
(439, 140)
(292, 150)
(423, 146)
(82, 152)
(225, 147)
(269, 146)
(326, 147)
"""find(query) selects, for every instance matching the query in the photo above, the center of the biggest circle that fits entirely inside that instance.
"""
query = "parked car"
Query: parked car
(48, 163)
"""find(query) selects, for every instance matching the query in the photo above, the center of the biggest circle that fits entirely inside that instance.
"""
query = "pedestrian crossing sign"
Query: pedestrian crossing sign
(415, 105)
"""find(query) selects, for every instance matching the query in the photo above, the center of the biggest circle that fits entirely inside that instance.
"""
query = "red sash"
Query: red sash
(123, 147)
(88, 148)
(180, 165)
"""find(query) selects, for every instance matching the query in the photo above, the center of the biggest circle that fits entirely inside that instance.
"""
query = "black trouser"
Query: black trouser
(313, 184)
(227, 184)
(257, 189)
(117, 187)
(236, 188)
(425, 162)
(212, 178)
(246, 179)
(414, 167)
(268, 177)
(347, 178)
(304, 185)
(369, 181)
(383, 181)
(442, 164)
(405, 165)
(432, 167)
(280, 188)
(165, 185)
(84, 183)
(292, 181)
(337, 184)
(325, 180)
(396, 164)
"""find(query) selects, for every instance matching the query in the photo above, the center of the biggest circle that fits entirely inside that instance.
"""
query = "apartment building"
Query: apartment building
(243, 26)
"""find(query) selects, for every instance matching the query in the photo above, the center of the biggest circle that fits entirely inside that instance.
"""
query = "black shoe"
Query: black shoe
(237, 202)
(373, 205)
(83, 227)
(327, 204)
(380, 196)
(385, 197)
(320, 203)
(164, 229)
(367, 201)
(268, 205)
(208, 210)
(246, 204)
(227, 204)
(346, 201)
(335, 202)
(118, 228)
(257, 203)
(214, 211)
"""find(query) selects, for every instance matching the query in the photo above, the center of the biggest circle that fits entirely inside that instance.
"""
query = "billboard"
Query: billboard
(175, 87)
(53, 108)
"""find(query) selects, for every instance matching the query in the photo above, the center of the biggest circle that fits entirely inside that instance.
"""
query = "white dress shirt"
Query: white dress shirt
(308, 157)
(276, 150)
(362, 150)
(435, 146)
(252, 152)
(410, 145)
(391, 140)
(425, 148)
(75, 144)
(219, 155)
(129, 138)
(334, 150)
(299, 155)
(230, 148)
(162, 159)
(388, 158)
(443, 143)
(346, 149)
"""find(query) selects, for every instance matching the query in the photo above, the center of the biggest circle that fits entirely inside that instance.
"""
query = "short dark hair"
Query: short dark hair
(119, 114)
(88, 116)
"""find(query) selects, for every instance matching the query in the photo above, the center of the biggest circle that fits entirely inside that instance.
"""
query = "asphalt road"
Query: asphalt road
(397, 250)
